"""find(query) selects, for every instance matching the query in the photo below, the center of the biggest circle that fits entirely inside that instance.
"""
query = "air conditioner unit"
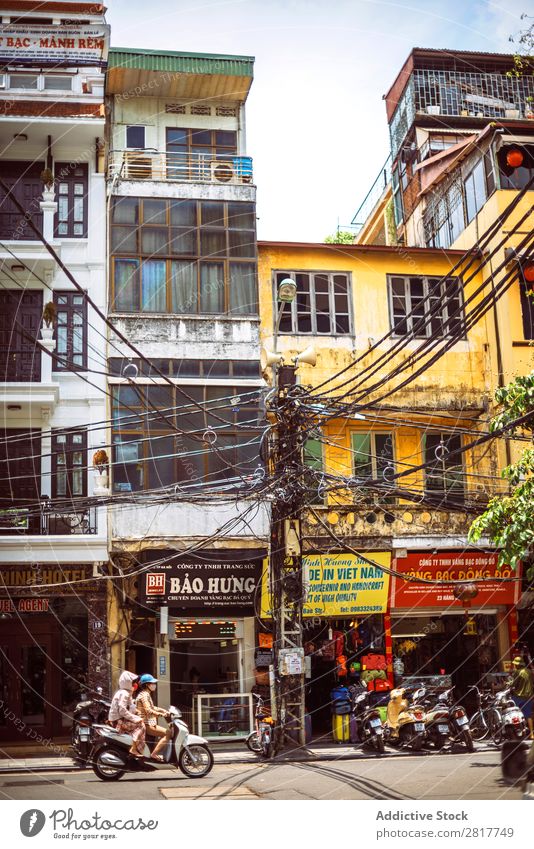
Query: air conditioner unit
(2, 81)
(223, 171)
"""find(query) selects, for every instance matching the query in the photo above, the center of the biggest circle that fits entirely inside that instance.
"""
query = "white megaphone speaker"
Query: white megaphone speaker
(308, 356)
(268, 359)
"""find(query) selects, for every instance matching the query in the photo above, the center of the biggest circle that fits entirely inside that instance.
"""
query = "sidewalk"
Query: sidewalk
(232, 754)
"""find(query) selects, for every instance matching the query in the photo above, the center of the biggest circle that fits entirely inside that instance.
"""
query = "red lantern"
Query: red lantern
(514, 158)
(528, 272)
(465, 593)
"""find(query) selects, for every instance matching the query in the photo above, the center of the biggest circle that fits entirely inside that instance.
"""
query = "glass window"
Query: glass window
(71, 326)
(72, 186)
(69, 464)
(56, 83)
(444, 478)
(475, 190)
(374, 465)
(218, 271)
(321, 304)
(153, 286)
(135, 137)
(425, 306)
(28, 81)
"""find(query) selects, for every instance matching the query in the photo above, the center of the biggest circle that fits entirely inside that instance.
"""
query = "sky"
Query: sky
(316, 122)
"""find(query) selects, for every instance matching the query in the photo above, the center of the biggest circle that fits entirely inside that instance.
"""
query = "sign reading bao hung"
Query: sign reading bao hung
(340, 585)
(215, 580)
(65, 46)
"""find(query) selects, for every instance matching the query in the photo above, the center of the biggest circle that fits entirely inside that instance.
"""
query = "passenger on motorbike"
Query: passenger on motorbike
(124, 716)
(149, 712)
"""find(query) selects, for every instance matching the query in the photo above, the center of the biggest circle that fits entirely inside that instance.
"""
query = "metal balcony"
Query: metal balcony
(222, 169)
(48, 520)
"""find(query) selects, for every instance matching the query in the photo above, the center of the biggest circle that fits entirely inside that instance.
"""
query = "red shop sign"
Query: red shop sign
(477, 567)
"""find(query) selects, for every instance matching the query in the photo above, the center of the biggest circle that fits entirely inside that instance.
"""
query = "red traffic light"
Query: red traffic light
(514, 157)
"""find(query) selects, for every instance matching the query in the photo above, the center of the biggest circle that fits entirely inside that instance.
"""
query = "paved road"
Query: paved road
(459, 776)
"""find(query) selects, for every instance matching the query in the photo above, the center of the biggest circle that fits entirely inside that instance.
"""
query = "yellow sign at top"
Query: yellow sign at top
(339, 585)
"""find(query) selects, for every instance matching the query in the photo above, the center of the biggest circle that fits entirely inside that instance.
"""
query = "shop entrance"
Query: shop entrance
(29, 680)
(464, 647)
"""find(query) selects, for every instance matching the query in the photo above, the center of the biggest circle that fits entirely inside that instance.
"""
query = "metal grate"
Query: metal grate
(455, 93)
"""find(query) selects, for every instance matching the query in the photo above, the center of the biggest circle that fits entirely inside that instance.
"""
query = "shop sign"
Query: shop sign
(477, 567)
(24, 605)
(219, 580)
(18, 581)
(59, 46)
(340, 585)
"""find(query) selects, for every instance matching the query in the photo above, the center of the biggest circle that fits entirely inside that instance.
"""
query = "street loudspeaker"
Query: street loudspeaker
(308, 356)
(269, 359)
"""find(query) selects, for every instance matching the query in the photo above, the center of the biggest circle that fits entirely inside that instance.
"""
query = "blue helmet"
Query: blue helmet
(148, 679)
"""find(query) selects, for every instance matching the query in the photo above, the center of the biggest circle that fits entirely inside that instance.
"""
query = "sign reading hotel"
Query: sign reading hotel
(340, 585)
(62, 46)
(477, 567)
(221, 580)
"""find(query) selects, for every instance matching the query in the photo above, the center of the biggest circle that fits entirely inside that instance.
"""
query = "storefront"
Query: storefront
(204, 609)
(53, 645)
(345, 628)
(434, 633)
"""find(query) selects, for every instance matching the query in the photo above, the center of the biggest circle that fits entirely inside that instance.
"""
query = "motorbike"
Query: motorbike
(447, 722)
(405, 718)
(517, 765)
(87, 712)
(368, 724)
(111, 759)
(260, 741)
(513, 725)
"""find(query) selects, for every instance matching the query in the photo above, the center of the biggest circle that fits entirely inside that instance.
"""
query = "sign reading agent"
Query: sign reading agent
(341, 585)
(215, 580)
(60, 46)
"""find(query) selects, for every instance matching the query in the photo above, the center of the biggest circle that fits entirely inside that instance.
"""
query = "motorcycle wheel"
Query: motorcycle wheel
(253, 742)
(411, 739)
(379, 745)
(196, 768)
(266, 745)
(467, 740)
(104, 771)
(512, 733)
(495, 726)
(478, 728)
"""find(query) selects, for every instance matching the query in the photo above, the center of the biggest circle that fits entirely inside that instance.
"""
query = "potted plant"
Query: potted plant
(47, 178)
(49, 317)
(100, 463)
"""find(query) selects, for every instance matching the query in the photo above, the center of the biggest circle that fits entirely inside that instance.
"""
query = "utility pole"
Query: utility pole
(287, 585)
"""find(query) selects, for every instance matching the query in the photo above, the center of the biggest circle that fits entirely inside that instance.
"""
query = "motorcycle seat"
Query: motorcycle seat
(126, 739)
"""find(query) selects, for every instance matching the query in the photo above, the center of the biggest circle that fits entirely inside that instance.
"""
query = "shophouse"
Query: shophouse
(53, 533)
(459, 174)
(186, 402)
(390, 476)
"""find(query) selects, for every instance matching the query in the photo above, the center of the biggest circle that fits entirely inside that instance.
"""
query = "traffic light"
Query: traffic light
(524, 264)
(513, 156)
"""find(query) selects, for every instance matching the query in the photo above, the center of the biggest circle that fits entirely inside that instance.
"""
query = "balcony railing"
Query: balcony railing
(374, 194)
(20, 365)
(48, 521)
(225, 169)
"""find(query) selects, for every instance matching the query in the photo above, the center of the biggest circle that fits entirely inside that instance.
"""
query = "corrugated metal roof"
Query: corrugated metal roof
(184, 63)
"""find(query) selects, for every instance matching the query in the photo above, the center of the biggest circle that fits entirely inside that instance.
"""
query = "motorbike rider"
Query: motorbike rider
(124, 716)
(149, 712)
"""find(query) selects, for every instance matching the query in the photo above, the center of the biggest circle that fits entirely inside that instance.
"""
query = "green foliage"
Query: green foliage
(342, 237)
(390, 224)
(509, 520)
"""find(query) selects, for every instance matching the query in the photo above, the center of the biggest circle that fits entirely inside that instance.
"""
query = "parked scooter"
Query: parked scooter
(111, 757)
(405, 718)
(86, 713)
(513, 725)
(447, 722)
(368, 724)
